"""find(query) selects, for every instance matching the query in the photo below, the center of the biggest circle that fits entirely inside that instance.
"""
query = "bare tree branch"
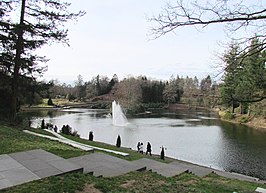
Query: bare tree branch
(194, 14)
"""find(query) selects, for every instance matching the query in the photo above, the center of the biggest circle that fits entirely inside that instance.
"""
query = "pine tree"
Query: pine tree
(244, 79)
(41, 22)
(118, 141)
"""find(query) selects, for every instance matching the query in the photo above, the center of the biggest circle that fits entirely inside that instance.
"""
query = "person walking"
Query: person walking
(138, 145)
(141, 148)
(55, 128)
(162, 153)
(148, 149)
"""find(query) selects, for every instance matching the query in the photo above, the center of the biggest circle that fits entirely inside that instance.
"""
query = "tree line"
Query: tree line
(242, 85)
(42, 22)
(243, 81)
(134, 92)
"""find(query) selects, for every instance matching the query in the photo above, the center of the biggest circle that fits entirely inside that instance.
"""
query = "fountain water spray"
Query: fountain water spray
(119, 118)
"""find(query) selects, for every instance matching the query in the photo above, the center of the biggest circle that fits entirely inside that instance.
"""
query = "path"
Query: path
(22, 167)
(93, 147)
(100, 164)
(167, 170)
(82, 146)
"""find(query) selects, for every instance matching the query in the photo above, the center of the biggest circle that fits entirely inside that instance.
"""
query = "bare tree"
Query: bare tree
(237, 14)
(129, 92)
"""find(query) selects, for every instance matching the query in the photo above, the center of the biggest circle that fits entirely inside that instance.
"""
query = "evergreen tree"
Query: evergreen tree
(41, 22)
(231, 73)
(244, 78)
(173, 91)
(118, 141)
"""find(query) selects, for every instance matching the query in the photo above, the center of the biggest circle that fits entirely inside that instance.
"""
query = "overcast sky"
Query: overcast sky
(113, 38)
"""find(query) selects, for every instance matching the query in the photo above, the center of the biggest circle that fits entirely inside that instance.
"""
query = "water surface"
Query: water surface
(198, 137)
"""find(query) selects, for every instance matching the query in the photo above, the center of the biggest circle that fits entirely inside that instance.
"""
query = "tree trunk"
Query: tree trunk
(233, 108)
(249, 110)
(19, 49)
(242, 109)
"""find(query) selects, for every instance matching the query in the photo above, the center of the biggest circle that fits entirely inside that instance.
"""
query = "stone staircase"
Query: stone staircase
(163, 169)
(22, 167)
(103, 165)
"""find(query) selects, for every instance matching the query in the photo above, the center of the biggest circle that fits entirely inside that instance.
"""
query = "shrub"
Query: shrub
(50, 102)
(49, 126)
(118, 141)
(162, 153)
(91, 136)
(75, 134)
(67, 130)
(43, 124)
(244, 119)
(228, 115)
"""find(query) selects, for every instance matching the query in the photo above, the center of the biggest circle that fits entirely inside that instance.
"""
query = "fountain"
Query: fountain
(119, 119)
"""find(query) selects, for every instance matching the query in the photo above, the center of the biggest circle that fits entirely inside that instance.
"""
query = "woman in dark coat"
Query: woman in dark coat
(148, 148)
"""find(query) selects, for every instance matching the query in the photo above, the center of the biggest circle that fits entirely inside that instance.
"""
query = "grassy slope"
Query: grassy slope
(133, 155)
(14, 140)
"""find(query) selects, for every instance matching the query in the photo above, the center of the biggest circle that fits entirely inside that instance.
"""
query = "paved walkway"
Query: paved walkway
(93, 147)
(167, 170)
(82, 146)
(22, 167)
(163, 169)
(103, 165)
(197, 170)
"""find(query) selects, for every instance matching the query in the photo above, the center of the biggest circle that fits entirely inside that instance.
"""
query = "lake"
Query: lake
(195, 136)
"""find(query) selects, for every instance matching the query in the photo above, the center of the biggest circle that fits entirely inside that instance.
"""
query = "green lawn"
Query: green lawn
(14, 140)
(133, 155)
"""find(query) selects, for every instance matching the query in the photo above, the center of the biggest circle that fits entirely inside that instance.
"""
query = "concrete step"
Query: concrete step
(237, 176)
(199, 171)
(22, 167)
(163, 169)
(103, 165)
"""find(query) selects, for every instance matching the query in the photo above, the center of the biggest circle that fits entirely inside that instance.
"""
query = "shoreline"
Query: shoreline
(256, 123)
(167, 160)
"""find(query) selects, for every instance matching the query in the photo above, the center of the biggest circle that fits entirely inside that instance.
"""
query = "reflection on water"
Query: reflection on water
(198, 137)
(245, 147)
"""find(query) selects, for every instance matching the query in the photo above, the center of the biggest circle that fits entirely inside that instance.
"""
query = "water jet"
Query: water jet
(119, 118)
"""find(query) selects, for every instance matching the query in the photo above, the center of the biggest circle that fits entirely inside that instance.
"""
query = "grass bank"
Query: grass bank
(14, 140)
(256, 122)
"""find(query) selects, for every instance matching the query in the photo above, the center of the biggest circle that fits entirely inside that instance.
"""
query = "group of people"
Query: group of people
(140, 148)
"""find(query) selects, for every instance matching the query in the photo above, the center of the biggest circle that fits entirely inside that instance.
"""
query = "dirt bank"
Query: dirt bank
(258, 123)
